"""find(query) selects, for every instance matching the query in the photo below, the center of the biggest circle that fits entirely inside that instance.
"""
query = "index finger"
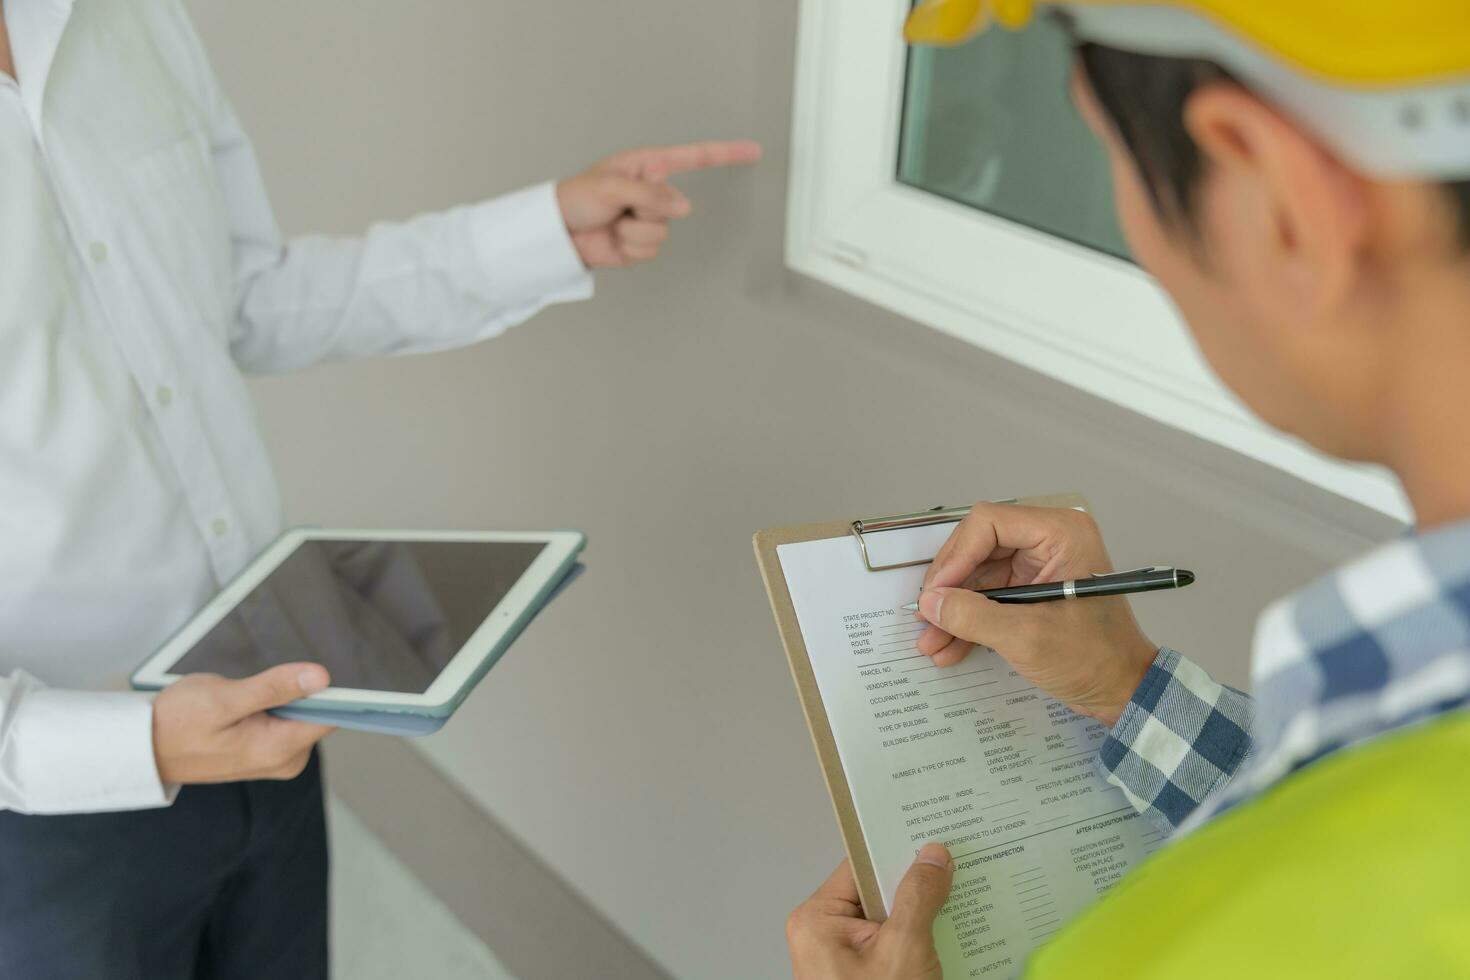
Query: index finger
(660, 161)
(988, 529)
(841, 886)
(290, 737)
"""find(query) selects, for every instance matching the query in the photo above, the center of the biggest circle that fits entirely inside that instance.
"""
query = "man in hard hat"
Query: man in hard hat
(1297, 176)
(142, 273)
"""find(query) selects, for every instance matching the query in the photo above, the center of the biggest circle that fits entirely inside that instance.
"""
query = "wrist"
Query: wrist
(161, 762)
(1128, 673)
(559, 191)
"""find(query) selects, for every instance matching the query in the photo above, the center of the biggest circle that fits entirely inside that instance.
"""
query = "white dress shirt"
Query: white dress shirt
(141, 271)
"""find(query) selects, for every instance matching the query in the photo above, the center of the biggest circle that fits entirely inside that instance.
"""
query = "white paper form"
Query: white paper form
(971, 755)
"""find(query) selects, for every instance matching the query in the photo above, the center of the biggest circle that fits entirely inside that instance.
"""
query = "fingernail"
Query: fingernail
(930, 603)
(934, 854)
(311, 680)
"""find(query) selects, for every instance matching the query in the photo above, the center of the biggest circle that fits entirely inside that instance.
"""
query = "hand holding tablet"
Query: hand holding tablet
(207, 729)
(405, 622)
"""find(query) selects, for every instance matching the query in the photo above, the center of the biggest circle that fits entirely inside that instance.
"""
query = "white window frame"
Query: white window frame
(1085, 318)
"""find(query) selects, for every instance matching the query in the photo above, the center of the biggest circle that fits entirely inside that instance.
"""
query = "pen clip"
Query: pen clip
(1133, 571)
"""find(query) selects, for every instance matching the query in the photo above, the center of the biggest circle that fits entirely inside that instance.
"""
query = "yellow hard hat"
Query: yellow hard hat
(1386, 83)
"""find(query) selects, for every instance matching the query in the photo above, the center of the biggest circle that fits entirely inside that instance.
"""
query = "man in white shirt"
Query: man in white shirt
(141, 271)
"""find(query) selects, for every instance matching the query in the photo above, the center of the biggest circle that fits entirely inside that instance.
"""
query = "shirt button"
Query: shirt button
(165, 396)
(98, 251)
(220, 527)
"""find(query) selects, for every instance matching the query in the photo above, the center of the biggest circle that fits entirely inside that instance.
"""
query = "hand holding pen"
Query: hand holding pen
(1090, 655)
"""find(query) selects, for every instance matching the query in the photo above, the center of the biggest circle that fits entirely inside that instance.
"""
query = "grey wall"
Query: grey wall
(643, 738)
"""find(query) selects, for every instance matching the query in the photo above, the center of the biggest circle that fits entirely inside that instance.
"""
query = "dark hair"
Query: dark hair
(1144, 97)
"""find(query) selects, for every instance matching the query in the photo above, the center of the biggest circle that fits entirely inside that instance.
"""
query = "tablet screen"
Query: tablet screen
(380, 615)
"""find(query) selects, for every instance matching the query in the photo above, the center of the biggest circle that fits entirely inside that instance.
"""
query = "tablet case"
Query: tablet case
(414, 721)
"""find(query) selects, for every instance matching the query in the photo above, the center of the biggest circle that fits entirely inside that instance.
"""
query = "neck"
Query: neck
(1428, 443)
(7, 64)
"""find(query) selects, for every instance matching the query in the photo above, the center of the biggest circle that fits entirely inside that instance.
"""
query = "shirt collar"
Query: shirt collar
(35, 28)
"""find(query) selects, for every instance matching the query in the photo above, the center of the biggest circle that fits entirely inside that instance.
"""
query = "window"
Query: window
(988, 124)
(957, 188)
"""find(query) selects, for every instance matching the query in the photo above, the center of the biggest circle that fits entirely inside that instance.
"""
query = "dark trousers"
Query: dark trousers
(229, 882)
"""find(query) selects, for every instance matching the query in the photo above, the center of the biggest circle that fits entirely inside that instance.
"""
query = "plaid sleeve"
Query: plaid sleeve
(1181, 737)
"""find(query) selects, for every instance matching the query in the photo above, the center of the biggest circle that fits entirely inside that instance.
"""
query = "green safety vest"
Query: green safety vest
(1358, 866)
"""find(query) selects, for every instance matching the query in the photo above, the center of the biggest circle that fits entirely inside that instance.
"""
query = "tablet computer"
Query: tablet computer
(407, 622)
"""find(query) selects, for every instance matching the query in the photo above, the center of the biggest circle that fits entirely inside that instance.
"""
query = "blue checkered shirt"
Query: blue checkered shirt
(1379, 644)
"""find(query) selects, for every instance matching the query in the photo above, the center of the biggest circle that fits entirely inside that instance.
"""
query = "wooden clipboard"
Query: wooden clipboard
(805, 678)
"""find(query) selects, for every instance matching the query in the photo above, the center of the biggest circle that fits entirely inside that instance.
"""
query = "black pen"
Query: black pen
(1148, 579)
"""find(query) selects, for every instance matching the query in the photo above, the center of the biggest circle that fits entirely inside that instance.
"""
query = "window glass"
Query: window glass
(989, 124)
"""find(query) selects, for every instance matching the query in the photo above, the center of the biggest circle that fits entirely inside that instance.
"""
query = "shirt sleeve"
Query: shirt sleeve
(76, 751)
(434, 282)
(1181, 737)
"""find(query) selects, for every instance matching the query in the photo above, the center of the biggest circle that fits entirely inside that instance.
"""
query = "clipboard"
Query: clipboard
(868, 533)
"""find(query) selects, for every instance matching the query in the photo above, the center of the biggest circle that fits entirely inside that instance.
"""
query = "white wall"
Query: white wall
(643, 738)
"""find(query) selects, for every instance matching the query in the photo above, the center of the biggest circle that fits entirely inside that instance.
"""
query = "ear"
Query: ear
(1315, 210)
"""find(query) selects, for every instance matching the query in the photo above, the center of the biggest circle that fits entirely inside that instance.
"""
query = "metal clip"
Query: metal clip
(923, 518)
